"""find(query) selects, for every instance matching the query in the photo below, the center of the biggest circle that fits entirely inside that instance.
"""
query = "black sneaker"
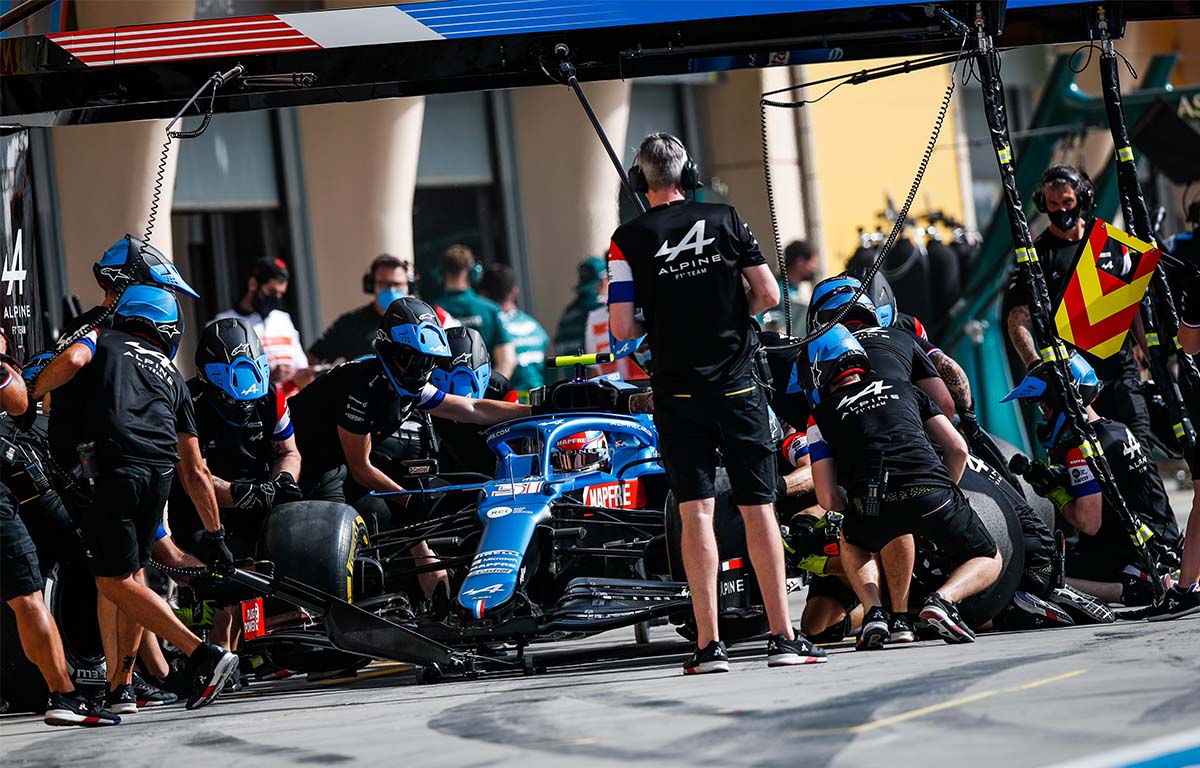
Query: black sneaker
(901, 630)
(234, 683)
(1083, 608)
(121, 700)
(712, 658)
(1137, 587)
(76, 709)
(149, 695)
(782, 652)
(943, 616)
(210, 666)
(1177, 603)
(874, 632)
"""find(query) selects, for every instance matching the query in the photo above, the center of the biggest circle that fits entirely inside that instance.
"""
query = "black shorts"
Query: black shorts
(692, 429)
(120, 520)
(944, 516)
(19, 572)
(833, 587)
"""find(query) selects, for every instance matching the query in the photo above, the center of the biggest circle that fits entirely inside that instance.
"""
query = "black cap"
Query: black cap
(267, 269)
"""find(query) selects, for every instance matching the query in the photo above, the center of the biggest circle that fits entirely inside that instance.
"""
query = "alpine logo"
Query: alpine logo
(874, 388)
(694, 241)
(14, 269)
(490, 589)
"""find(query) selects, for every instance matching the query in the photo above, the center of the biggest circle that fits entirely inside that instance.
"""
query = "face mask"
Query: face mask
(264, 304)
(1064, 220)
(385, 297)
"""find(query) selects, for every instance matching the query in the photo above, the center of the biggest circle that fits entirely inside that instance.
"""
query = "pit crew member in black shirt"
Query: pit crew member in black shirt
(339, 416)
(871, 436)
(1104, 561)
(1067, 196)
(697, 274)
(123, 418)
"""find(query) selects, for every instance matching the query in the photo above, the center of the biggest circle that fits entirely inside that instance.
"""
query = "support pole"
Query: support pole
(1029, 268)
(1158, 312)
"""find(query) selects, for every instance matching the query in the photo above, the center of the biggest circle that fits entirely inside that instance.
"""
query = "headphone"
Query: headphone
(689, 174)
(385, 260)
(1084, 189)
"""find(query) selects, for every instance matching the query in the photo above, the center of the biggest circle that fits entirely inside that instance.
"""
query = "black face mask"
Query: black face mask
(265, 303)
(1064, 220)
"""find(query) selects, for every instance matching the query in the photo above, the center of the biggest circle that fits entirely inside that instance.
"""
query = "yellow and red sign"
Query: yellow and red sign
(1112, 272)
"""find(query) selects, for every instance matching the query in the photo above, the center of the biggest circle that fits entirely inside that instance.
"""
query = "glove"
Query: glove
(1044, 478)
(969, 425)
(1059, 497)
(286, 489)
(212, 548)
(35, 365)
(253, 497)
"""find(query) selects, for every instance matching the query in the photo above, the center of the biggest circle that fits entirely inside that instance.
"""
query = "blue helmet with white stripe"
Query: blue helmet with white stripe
(231, 360)
(129, 261)
(151, 313)
(832, 294)
(1036, 386)
(468, 369)
(828, 359)
(408, 344)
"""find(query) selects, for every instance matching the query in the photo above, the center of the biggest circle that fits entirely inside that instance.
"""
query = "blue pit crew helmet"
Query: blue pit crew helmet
(231, 362)
(1036, 386)
(827, 359)
(468, 369)
(129, 261)
(408, 344)
(881, 294)
(151, 313)
(832, 294)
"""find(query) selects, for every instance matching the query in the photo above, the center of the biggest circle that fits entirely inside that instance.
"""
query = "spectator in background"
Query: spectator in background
(590, 293)
(800, 260)
(261, 307)
(471, 309)
(349, 336)
(529, 338)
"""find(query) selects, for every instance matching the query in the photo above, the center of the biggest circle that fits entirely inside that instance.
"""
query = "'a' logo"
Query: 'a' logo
(874, 388)
(694, 241)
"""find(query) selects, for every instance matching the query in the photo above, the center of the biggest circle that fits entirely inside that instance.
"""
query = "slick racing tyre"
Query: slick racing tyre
(1042, 507)
(314, 542)
(738, 601)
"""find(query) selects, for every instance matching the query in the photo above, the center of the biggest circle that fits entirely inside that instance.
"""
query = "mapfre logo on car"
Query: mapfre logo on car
(620, 495)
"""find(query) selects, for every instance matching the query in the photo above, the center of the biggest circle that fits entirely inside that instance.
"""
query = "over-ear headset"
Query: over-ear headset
(1085, 191)
(384, 260)
(689, 175)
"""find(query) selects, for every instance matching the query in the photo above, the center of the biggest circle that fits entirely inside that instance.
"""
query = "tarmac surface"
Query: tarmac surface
(1118, 695)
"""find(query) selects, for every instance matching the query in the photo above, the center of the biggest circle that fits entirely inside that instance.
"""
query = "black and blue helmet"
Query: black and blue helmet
(409, 342)
(883, 298)
(832, 294)
(129, 261)
(468, 369)
(152, 313)
(231, 360)
(1036, 386)
(827, 359)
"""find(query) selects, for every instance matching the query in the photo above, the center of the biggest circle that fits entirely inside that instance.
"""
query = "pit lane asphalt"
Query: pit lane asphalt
(1011, 699)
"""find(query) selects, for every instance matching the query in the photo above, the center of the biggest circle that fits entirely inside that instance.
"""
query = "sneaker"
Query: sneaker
(121, 700)
(1137, 587)
(234, 683)
(943, 616)
(1084, 609)
(1177, 603)
(1042, 612)
(712, 658)
(782, 652)
(76, 709)
(901, 629)
(149, 695)
(210, 666)
(874, 630)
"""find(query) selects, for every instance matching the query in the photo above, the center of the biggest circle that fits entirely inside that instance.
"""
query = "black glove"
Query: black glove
(212, 549)
(286, 489)
(968, 424)
(1045, 478)
(253, 497)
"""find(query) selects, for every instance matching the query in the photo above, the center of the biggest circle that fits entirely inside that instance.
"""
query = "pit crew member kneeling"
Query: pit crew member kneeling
(1104, 561)
(339, 416)
(871, 436)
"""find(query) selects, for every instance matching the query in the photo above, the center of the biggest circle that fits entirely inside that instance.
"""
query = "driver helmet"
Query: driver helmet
(468, 369)
(1036, 386)
(231, 362)
(129, 261)
(828, 359)
(881, 294)
(151, 313)
(408, 344)
(832, 294)
(582, 450)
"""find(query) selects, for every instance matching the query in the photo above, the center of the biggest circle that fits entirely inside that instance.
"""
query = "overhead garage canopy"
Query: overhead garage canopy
(140, 72)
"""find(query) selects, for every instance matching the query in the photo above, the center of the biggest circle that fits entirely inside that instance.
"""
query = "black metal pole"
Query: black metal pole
(1158, 310)
(21, 12)
(1029, 267)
